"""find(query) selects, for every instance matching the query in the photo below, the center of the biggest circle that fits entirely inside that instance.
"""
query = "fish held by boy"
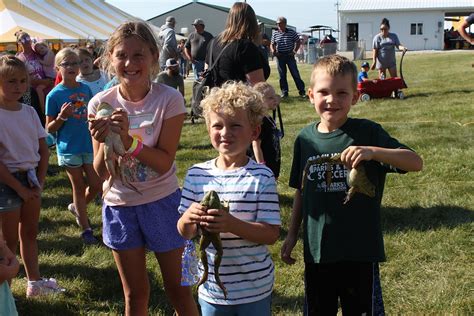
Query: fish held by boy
(114, 151)
(211, 201)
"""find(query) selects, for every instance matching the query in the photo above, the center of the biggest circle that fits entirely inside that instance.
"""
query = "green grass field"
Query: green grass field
(427, 216)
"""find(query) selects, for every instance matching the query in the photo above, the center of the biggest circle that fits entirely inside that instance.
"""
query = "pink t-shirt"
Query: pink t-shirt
(146, 119)
(19, 135)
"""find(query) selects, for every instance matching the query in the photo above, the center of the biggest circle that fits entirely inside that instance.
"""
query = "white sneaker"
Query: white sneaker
(72, 208)
(43, 287)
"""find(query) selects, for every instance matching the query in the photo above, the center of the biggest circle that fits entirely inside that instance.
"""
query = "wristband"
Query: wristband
(133, 146)
(261, 162)
(138, 149)
(61, 118)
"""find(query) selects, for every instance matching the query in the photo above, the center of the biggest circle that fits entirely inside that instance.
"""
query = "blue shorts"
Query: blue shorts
(75, 160)
(258, 308)
(9, 199)
(151, 225)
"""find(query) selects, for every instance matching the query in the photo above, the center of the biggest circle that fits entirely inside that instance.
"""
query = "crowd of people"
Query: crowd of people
(148, 211)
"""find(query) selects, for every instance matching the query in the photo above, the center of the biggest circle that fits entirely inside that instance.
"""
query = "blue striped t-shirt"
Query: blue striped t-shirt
(247, 269)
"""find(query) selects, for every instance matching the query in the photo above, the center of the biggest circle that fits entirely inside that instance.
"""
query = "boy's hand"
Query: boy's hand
(287, 248)
(217, 221)
(99, 128)
(193, 214)
(353, 155)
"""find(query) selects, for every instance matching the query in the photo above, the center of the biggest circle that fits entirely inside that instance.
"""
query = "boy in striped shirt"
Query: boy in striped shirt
(233, 115)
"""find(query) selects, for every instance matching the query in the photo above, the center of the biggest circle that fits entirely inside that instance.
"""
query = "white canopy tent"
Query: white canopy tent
(59, 19)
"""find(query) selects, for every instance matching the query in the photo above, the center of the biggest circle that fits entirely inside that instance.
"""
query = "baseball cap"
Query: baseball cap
(171, 62)
(198, 22)
(365, 64)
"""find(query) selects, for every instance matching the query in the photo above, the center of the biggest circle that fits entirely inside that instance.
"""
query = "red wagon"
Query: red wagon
(379, 88)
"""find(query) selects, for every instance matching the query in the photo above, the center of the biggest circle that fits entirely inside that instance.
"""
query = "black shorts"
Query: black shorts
(355, 284)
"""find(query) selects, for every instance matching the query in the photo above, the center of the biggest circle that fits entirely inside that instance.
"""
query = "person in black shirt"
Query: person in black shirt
(241, 60)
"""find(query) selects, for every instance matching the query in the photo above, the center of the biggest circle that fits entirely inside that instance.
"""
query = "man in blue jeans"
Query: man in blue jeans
(284, 45)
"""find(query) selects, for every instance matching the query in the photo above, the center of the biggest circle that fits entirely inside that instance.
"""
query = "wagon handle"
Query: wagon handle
(401, 63)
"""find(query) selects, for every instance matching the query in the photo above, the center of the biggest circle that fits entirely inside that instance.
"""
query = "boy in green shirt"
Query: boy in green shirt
(343, 243)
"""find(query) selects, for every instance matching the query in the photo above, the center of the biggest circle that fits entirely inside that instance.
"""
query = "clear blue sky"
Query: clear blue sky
(298, 13)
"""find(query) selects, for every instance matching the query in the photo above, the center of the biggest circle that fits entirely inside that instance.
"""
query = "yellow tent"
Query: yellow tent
(66, 20)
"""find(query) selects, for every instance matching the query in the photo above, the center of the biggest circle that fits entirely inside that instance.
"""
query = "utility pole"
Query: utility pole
(337, 4)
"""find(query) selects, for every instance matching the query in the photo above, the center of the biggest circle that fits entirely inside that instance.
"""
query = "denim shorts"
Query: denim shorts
(75, 160)
(258, 308)
(9, 199)
(151, 225)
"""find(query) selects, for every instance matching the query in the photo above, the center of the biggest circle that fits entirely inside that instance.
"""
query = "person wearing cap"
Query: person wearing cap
(171, 76)
(167, 42)
(196, 47)
(364, 69)
(285, 43)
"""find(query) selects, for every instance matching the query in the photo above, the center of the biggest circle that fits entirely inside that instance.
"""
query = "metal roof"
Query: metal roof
(394, 5)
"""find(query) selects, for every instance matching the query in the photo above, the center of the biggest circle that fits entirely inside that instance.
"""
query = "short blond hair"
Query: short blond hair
(335, 65)
(63, 54)
(232, 96)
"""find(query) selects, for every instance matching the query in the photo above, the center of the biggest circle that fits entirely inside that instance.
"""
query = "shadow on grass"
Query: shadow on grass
(423, 219)
(287, 303)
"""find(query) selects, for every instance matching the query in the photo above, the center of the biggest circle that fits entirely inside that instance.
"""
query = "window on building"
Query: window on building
(416, 29)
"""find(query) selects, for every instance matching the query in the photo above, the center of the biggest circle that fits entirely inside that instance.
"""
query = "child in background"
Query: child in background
(363, 74)
(9, 267)
(183, 63)
(92, 77)
(66, 114)
(343, 243)
(171, 77)
(233, 115)
(47, 58)
(149, 117)
(266, 148)
(23, 163)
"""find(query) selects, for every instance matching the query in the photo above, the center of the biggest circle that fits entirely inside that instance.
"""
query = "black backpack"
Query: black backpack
(202, 86)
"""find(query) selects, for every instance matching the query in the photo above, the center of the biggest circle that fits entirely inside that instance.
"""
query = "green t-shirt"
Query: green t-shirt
(334, 232)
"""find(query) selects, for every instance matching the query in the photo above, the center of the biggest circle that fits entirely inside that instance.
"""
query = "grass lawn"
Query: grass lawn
(427, 216)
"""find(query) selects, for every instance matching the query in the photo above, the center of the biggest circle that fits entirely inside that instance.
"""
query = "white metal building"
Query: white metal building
(419, 24)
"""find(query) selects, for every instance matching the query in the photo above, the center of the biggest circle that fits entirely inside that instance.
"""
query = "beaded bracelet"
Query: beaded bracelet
(138, 149)
(133, 146)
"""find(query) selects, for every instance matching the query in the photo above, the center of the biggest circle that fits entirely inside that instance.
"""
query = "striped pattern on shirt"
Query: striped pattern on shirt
(285, 41)
(247, 269)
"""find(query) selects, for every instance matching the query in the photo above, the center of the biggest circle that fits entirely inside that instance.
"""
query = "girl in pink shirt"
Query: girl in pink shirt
(143, 213)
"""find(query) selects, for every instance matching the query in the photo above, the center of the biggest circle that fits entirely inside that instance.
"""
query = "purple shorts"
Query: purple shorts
(151, 225)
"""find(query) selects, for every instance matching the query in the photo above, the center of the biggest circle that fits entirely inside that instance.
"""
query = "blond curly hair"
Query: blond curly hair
(232, 96)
